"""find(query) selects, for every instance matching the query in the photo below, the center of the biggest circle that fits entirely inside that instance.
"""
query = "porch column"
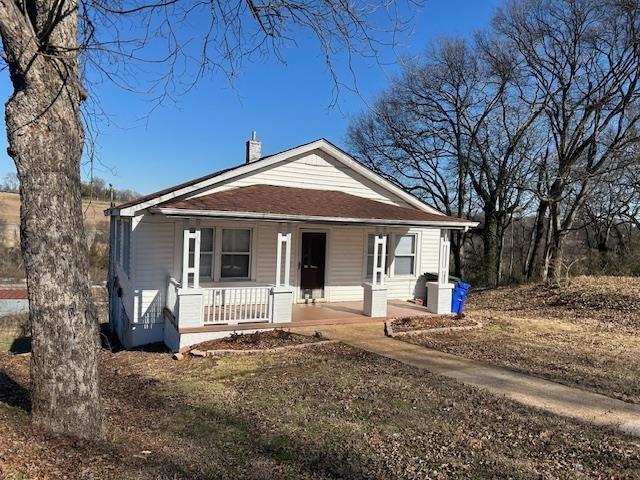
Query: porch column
(189, 235)
(443, 265)
(439, 293)
(283, 258)
(282, 292)
(375, 292)
(190, 298)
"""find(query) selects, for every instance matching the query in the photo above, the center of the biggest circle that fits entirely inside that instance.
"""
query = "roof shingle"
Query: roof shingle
(278, 200)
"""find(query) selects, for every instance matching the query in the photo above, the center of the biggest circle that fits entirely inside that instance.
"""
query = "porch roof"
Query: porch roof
(277, 203)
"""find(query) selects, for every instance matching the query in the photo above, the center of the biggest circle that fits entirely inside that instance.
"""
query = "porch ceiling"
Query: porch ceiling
(277, 203)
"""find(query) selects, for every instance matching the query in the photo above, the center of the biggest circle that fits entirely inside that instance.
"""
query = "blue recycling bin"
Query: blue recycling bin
(459, 296)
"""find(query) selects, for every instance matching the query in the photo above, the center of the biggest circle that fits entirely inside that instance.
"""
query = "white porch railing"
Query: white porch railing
(236, 305)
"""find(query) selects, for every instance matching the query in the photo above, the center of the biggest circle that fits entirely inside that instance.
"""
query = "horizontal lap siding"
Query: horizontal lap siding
(315, 170)
(430, 250)
(345, 264)
(266, 254)
(154, 250)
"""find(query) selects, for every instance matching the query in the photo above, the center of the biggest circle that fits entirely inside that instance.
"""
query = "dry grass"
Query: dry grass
(329, 412)
(584, 334)
(10, 211)
(408, 324)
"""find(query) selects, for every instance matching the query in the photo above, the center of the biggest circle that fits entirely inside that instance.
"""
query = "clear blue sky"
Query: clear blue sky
(286, 104)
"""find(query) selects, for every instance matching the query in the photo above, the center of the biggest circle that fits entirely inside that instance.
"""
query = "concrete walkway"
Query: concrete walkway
(531, 391)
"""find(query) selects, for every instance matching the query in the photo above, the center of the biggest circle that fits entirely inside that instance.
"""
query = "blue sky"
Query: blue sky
(287, 104)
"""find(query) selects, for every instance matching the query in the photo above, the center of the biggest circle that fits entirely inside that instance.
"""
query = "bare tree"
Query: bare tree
(416, 135)
(454, 126)
(584, 56)
(611, 206)
(53, 49)
(504, 146)
(10, 183)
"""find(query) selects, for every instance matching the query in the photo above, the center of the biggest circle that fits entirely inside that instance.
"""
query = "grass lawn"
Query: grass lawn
(584, 334)
(323, 412)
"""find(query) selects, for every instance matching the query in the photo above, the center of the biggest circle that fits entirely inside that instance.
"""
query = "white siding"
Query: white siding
(152, 264)
(266, 253)
(345, 263)
(315, 170)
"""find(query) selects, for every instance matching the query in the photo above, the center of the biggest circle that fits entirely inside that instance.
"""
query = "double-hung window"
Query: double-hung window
(370, 247)
(405, 255)
(235, 255)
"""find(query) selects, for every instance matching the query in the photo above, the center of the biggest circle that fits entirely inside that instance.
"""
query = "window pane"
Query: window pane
(405, 245)
(235, 240)
(205, 265)
(234, 266)
(206, 240)
(403, 266)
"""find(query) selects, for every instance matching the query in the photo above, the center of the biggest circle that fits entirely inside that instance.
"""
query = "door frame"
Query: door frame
(298, 260)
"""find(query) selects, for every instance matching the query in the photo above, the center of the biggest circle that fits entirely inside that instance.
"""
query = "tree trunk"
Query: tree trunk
(45, 135)
(64, 327)
(537, 237)
(555, 250)
(457, 252)
(491, 248)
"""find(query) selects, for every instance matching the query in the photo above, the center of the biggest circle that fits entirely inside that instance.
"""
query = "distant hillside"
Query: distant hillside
(95, 220)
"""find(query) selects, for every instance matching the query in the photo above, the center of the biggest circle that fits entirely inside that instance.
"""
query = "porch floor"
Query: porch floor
(353, 311)
(334, 313)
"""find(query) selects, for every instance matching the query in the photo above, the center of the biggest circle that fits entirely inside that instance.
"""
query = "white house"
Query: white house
(239, 249)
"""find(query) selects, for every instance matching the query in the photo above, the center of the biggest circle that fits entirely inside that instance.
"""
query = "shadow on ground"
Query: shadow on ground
(14, 394)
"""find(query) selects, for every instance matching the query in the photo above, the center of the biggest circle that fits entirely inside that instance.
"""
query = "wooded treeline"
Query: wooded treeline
(531, 128)
(93, 189)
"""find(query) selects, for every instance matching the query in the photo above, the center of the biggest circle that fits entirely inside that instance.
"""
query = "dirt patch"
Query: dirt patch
(425, 323)
(256, 341)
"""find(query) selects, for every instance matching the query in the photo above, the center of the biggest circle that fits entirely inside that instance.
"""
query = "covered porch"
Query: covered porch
(194, 307)
(354, 260)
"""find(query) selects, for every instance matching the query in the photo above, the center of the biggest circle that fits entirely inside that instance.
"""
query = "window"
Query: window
(235, 256)
(370, 247)
(206, 253)
(405, 255)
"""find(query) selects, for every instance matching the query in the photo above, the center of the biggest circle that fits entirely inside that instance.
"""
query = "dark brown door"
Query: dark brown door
(312, 264)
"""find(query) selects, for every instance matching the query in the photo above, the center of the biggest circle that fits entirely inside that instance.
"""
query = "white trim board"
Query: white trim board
(225, 176)
(183, 212)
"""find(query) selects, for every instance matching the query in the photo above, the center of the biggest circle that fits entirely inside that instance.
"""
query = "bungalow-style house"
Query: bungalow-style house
(242, 248)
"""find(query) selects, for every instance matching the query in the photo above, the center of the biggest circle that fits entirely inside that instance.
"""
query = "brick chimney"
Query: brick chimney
(254, 148)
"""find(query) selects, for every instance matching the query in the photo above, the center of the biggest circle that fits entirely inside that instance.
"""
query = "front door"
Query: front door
(312, 265)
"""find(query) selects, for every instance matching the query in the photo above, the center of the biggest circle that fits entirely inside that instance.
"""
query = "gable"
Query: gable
(316, 170)
(318, 164)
